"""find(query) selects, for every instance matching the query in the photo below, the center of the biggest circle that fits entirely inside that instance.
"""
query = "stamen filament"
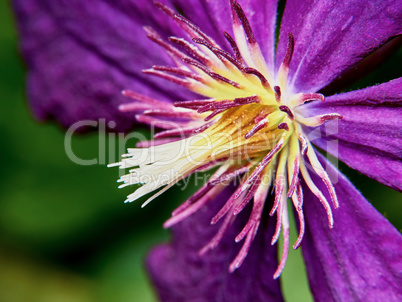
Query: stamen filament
(322, 174)
(285, 232)
(246, 124)
(318, 194)
(318, 120)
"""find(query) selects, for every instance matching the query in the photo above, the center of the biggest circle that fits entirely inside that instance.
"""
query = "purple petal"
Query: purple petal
(369, 136)
(360, 258)
(262, 17)
(180, 274)
(81, 54)
(332, 36)
(214, 17)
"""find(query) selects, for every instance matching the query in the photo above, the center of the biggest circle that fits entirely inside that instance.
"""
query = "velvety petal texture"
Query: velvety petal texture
(181, 275)
(369, 137)
(81, 54)
(332, 36)
(360, 258)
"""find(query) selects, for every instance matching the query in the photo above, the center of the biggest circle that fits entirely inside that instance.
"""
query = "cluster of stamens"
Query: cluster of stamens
(247, 124)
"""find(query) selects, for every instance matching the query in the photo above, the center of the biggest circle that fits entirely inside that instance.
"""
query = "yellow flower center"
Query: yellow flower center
(248, 124)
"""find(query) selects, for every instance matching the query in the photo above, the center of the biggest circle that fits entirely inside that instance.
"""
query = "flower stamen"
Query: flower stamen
(284, 68)
(287, 110)
(248, 123)
(318, 120)
(212, 74)
(301, 98)
(234, 46)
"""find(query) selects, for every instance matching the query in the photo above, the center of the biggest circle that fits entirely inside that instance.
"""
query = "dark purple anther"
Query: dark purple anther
(193, 104)
(331, 116)
(141, 98)
(289, 50)
(286, 109)
(221, 54)
(278, 93)
(233, 44)
(184, 23)
(191, 49)
(247, 100)
(213, 75)
(167, 10)
(283, 126)
(168, 77)
(213, 114)
(244, 21)
(194, 28)
(207, 107)
(178, 71)
(311, 96)
(264, 82)
(226, 104)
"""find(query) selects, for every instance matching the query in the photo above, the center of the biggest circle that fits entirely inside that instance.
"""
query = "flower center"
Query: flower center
(248, 124)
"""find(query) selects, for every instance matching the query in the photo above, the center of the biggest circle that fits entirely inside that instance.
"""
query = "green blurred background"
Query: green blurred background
(65, 234)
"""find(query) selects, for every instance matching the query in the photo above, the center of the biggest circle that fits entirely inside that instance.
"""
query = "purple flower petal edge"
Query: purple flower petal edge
(331, 37)
(360, 258)
(180, 274)
(369, 136)
(81, 54)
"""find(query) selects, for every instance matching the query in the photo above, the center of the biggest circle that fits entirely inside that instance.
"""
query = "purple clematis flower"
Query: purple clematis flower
(218, 82)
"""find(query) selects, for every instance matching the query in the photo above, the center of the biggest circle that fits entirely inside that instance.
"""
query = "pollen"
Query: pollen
(247, 123)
